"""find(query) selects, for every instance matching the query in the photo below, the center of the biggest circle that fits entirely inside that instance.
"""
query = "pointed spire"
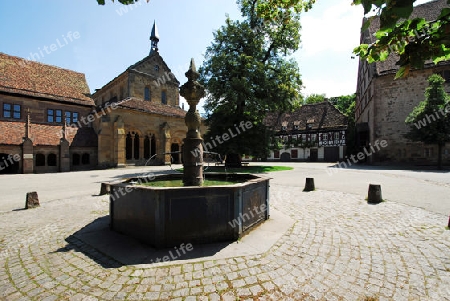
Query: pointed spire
(154, 37)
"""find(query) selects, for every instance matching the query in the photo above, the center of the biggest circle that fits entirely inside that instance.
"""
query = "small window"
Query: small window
(6, 110)
(75, 117)
(68, 117)
(276, 154)
(58, 117)
(50, 115)
(295, 127)
(163, 98)
(40, 160)
(51, 160)
(85, 159)
(147, 93)
(17, 112)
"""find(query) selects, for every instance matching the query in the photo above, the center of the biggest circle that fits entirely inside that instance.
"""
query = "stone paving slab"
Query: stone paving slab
(338, 248)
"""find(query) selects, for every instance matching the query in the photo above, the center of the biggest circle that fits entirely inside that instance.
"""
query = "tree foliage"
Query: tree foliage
(247, 73)
(346, 104)
(314, 98)
(429, 121)
(414, 40)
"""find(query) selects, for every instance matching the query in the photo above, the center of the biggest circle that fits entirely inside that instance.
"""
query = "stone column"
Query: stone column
(192, 91)
(64, 155)
(27, 148)
(119, 140)
(27, 156)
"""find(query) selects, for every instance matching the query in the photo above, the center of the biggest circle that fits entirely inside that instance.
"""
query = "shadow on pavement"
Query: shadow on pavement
(113, 250)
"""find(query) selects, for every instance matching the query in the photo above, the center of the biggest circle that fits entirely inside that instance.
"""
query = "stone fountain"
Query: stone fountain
(168, 216)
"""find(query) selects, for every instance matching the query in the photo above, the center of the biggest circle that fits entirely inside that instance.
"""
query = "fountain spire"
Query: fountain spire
(192, 91)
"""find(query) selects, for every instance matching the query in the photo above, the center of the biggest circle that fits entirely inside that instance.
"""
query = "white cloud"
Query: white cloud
(329, 86)
(334, 27)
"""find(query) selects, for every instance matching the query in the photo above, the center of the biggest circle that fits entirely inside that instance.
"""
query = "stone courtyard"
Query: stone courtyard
(332, 246)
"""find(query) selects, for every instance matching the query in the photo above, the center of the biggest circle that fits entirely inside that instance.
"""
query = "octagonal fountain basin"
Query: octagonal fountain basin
(169, 216)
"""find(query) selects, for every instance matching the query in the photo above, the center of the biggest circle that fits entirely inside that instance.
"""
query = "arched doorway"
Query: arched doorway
(174, 149)
(8, 165)
(129, 147)
(285, 157)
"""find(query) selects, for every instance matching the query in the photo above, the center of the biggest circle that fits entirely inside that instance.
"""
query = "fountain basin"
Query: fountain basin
(169, 216)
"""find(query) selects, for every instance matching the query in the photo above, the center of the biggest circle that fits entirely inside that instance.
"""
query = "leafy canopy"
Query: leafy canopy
(429, 121)
(413, 40)
(247, 73)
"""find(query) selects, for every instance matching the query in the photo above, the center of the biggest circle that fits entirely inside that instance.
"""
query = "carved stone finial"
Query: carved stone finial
(192, 91)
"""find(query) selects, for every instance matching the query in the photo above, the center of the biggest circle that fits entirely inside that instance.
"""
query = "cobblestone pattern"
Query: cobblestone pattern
(340, 248)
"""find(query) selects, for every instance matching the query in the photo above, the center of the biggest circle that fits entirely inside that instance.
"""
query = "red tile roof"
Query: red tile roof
(321, 116)
(21, 76)
(151, 107)
(45, 134)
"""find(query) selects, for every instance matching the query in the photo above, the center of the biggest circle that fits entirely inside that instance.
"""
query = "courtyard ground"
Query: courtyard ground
(328, 244)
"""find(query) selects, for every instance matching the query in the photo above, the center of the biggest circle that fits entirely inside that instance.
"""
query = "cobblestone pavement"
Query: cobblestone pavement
(339, 248)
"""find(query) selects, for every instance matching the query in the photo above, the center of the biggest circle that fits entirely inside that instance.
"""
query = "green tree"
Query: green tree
(429, 122)
(314, 98)
(347, 104)
(247, 73)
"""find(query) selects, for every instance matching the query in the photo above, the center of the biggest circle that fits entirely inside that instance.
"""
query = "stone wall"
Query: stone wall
(386, 111)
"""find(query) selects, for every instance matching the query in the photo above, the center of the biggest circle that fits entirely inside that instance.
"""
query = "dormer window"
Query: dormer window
(295, 127)
(283, 128)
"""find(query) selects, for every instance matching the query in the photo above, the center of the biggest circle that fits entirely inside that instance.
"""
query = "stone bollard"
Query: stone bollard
(374, 194)
(105, 189)
(309, 185)
(32, 200)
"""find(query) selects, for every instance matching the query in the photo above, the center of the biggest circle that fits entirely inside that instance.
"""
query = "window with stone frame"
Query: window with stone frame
(163, 97)
(147, 94)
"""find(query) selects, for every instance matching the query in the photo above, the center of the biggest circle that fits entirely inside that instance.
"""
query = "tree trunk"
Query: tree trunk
(440, 148)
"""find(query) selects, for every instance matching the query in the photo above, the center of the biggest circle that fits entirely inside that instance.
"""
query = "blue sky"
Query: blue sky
(102, 41)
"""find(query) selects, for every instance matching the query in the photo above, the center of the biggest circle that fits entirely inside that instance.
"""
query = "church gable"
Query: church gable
(155, 67)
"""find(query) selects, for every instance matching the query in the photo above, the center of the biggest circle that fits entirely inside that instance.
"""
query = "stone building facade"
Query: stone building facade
(382, 103)
(147, 120)
(314, 132)
(38, 102)
(49, 121)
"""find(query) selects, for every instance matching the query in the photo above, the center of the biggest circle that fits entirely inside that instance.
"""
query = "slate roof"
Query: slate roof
(138, 104)
(430, 11)
(321, 116)
(25, 77)
(45, 134)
